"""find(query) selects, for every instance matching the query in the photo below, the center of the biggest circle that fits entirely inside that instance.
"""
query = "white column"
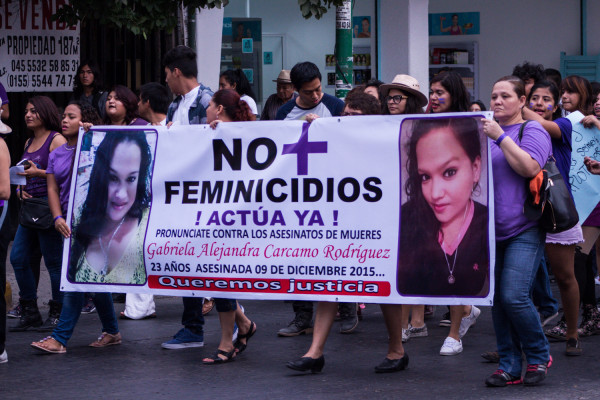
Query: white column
(209, 35)
(403, 41)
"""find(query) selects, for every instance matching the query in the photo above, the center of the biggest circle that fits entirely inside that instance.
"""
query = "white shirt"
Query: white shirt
(180, 117)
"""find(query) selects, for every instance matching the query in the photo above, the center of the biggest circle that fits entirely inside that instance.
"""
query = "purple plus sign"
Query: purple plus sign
(303, 148)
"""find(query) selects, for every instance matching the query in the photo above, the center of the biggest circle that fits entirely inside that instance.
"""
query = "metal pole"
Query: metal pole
(191, 27)
(343, 49)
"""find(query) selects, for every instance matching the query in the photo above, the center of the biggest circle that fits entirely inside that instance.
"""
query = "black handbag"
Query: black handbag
(548, 198)
(35, 213)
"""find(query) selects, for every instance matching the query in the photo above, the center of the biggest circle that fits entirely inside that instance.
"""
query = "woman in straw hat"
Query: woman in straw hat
(404, 92)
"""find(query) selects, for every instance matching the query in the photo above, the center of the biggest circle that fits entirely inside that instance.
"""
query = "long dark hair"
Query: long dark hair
(47, 112)
(93, 212)
(454, 85)
(412, 104)
(235, 108)
(96, 84)
(421, 221)
(238, 78)
(129, 100)
(553, 91)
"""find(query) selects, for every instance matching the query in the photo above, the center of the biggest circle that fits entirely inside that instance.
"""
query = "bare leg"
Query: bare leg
(323, 320)
(227, 320)
(457, 313)
(242, 321)
(392, 314)
(562, 259)
(417, 319)
(405, 315)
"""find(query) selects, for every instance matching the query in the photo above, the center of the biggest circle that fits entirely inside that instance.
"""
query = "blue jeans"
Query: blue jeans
(541, 292)
(71, 310)
(25, 242)
(516, 321)
(192, 318)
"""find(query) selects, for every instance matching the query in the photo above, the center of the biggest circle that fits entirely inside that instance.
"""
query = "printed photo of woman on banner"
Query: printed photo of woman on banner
(111, 207)
(444, 214)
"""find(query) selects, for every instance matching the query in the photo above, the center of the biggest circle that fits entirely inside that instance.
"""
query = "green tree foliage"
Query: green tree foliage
(139, 16)
(317, 7)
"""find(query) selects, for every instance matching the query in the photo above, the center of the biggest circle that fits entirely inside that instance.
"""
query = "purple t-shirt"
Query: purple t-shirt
(59, 164)
(561, 149)
(509, 187)
(3, 95)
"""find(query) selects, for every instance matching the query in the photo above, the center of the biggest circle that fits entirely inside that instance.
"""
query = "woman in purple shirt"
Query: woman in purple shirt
(519, 241)
(122, 107)
(41, 118)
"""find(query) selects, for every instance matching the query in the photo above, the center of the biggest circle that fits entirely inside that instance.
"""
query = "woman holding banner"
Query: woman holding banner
(226, 106)
(560, 247)
(400, 96)
(108, 236)
(519, 241)
(58, 175)
(41, 118)
(577, 94)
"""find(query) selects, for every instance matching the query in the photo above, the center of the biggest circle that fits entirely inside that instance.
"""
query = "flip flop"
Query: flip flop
(239, 346)
(40, 346)
(215, 359)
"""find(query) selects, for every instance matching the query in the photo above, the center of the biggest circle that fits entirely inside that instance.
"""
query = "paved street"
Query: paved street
(140, 368)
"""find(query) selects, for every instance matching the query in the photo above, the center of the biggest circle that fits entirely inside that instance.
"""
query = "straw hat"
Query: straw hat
(284, 77)
(407, 84)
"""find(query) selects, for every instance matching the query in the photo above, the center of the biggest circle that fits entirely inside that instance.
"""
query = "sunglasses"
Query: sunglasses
(395, 99)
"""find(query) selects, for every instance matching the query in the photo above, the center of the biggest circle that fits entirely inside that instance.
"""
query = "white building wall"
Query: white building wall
(513, 31)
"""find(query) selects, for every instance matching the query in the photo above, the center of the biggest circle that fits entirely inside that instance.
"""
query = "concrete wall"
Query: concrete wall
(513, 31)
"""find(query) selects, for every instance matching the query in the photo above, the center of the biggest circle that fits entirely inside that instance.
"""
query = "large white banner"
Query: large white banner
(37, 54)
(286, 210)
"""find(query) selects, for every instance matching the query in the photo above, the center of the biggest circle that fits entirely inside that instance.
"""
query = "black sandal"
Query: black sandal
(215, 359)
(239, 346)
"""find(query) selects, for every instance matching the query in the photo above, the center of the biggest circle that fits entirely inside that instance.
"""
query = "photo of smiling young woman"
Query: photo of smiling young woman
(444, 214)
(110, 226)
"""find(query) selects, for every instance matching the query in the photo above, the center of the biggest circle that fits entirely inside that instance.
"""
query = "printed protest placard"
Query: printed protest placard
(36, 53)
(276, 210)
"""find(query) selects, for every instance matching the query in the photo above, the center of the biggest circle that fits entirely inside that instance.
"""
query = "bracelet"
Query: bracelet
(500, 139)
(60, 216)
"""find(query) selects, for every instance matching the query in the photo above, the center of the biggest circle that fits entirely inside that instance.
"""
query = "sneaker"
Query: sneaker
(546, 319)
(89, 307)
(445, 321)
(3, 357)
(573, 347)
(502, 378)
(559, 331)
(417, 332)
(468, 321)
(15, 312)
(536, 373)
(405, 335)
(53, 317)
(451, 347)
(590, 323)
(183, 339)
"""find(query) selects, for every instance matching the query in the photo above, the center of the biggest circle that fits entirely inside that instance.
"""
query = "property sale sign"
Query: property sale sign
(37, 54)
(269, 210)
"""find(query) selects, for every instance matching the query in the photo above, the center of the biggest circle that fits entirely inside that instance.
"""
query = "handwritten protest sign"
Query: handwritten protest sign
(269, 210)
(584, 186)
